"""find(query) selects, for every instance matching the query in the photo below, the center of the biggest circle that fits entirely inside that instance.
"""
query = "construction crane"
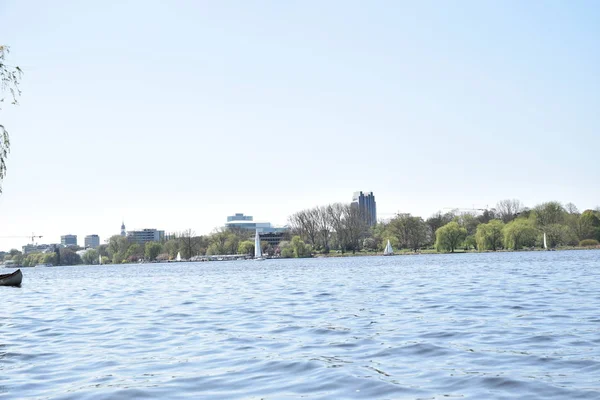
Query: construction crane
(33, 236)
(461, 209)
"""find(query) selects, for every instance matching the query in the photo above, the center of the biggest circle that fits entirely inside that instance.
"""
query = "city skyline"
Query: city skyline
(232, 219)
(74, 238)
(184, 112)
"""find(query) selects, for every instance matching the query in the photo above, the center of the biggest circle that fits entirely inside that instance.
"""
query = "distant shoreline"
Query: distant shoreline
(458, 251)
(331, 255)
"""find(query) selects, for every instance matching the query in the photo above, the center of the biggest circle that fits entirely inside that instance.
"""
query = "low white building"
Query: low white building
(247, 222)
(145, 235)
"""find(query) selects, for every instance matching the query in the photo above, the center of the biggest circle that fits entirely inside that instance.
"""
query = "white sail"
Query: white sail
(178, 258)
(99, 259)
(257, 249)
(388, 249)
(545, 245)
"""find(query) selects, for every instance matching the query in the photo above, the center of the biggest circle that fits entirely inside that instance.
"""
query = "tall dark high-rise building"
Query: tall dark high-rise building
(367, 206)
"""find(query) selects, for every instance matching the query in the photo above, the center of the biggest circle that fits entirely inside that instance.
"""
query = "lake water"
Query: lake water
(478, 326)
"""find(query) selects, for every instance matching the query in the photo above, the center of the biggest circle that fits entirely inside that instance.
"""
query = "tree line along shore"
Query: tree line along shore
(340, 229)
(508, 226)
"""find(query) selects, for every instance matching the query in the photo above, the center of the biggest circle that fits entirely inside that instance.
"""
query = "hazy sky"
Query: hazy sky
(175, 114)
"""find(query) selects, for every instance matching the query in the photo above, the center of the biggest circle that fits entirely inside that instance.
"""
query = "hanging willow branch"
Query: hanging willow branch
(9, 86)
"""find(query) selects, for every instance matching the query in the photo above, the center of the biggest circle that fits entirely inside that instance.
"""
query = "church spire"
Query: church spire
(123, 233)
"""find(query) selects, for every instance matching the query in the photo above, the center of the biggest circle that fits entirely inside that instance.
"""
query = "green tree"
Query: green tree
(134, 253)
(300, 248)
(171, 247)
(469, 222)
(559, 235)
(549, 213)
(9, 84)
(588, 225)
(90, 257)
(470, 242)
(218, 241)
(203, 243)
(152, 250)
(410, 231)
(489, 236)
(50, 258)
(14, 252)
(69, 257)
(103, 250)
(380, 234)
(518, 233)
(17, 258)
(436, 221)
(11, 254)
(246, 247)
(232, 243)
(117, 248)
(30, 260)
(285, 249)
(449, 237)
(213, 250)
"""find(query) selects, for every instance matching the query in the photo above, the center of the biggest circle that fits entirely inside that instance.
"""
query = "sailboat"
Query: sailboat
(178, 258)
(99, 259)
(388, 249)
(257, 250)
(545, 244)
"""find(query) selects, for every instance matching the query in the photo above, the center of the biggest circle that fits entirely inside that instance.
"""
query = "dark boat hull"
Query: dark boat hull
(13, 279)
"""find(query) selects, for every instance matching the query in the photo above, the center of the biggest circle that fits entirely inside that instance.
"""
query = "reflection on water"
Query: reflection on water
(521, 325)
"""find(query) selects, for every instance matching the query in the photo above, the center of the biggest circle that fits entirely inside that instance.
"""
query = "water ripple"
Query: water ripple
(479, 326)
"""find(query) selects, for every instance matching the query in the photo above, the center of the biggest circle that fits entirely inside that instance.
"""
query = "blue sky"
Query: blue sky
(174, 115)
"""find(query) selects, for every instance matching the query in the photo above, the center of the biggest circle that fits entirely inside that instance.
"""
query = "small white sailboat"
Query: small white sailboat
(178, 258)
(257, 250)
(99, 259)
(388, 249)
(545, 244)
